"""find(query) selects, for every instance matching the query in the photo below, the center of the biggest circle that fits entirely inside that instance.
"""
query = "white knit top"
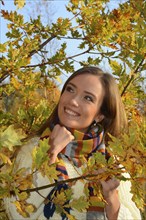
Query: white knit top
(128, 209)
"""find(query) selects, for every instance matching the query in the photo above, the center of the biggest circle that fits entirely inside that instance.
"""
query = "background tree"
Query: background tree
(114, 39)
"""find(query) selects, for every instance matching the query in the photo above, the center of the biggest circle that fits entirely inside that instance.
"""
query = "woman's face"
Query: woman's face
(79, 105)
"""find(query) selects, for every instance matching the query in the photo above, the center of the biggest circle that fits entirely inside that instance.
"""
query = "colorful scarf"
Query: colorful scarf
(76, 151)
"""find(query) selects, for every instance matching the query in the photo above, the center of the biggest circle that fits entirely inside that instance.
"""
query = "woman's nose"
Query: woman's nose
(75, 101)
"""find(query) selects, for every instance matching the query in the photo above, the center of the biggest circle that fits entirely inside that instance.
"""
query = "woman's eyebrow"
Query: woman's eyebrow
(72, 84)
(90, 93)
(87, 92)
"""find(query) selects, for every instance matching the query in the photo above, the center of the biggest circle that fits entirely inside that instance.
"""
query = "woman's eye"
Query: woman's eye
(88, 98)
(69, 89)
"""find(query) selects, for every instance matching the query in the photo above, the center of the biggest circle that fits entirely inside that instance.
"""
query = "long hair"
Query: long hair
(112, 107)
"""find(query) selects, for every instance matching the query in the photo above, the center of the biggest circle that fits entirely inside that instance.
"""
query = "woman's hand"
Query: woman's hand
(59, 138)
(109, 187)
(111, 196)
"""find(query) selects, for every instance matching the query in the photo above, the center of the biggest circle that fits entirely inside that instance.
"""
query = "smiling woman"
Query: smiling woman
(89, 107)
(80, 104)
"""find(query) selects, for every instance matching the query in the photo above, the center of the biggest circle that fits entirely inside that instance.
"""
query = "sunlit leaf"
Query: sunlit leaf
(23, 196)
(80, 204)
(5, 159)
(40, 153)
(3, 47)
(10, 138)
(30, 208)
(19, 3)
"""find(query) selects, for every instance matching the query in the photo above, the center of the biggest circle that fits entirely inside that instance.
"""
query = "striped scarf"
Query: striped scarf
(80, 148)
(76, 151)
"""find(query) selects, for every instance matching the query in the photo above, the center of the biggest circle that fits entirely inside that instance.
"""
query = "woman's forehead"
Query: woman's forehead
(87, 82)
(87, 79)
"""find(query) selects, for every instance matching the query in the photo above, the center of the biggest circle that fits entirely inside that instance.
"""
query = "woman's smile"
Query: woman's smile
(71, 112)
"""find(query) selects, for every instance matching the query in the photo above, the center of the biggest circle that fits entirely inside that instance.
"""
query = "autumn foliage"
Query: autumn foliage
(112, 39)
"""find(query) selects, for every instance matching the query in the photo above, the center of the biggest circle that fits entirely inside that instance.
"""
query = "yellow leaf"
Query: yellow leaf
(95, 201)
(23, 196)
(19, 3)
(15, 83)
(49, 171)
(59, 19)
(58, 79)
(10, 137)
(25, 182)
(30, 208)
(70, 217)
(3, 47)
(5, 159)
(60, 199)
(9, 26)
(19, 208)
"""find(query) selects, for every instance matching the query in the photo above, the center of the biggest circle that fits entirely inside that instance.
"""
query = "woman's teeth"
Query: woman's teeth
(70, 112)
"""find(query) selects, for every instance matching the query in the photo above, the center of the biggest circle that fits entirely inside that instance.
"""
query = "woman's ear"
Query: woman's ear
(99, 118)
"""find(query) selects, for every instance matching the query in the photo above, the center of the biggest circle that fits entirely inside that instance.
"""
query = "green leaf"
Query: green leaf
(3, 47)
(10, 138)
(116, 67)
(80, 204)
(3, 192)
(40, 153)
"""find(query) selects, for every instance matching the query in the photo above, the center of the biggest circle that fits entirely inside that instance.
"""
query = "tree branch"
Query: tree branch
(4, 76)
(56, 61)
(41, 46)
(73, 38)
(86, 177)
(132, 77)
(83, 177)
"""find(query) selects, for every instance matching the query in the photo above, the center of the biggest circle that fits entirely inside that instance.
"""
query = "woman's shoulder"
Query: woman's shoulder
(30, 143)
(24, 156)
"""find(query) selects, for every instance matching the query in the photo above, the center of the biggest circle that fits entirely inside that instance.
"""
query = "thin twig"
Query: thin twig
(42, 45)
(132, 77)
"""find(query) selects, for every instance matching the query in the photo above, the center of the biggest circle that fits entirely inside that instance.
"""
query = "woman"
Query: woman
(89, 107)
